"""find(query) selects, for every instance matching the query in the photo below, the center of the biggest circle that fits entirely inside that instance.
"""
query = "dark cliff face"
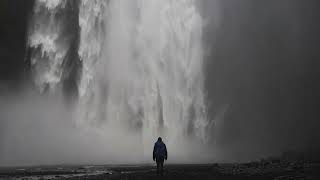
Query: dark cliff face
(14, 15)
(263, 67)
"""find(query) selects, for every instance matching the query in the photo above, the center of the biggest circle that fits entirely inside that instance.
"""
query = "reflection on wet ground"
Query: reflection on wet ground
(53, 172)
(254, 170)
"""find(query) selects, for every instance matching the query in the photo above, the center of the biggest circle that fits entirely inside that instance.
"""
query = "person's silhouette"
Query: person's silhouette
(159, 155)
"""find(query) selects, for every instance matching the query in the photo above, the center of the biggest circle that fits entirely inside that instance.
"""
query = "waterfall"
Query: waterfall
(142, 65)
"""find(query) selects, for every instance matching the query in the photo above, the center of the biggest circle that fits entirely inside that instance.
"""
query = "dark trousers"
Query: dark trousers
(160, 166)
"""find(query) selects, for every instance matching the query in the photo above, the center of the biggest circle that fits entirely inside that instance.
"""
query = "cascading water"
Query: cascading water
(52, 35)
(142, 67)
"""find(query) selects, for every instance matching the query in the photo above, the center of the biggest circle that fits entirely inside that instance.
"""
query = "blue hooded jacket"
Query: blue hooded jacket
(160, 151)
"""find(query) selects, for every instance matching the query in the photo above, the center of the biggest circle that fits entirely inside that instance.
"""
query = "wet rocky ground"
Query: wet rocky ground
(255, 170)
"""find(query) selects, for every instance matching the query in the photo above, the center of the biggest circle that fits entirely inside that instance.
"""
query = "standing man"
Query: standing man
(159, 155)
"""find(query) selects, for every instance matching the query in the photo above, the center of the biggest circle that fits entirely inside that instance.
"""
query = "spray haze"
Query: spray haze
(140, 77)
(98, 81)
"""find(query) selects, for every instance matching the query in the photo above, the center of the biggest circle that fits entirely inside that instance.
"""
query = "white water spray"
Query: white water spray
(45, 35)
(142, 69)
